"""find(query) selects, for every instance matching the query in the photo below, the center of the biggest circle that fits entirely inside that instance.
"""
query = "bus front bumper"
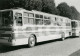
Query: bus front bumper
(14, 42)
(5, 42)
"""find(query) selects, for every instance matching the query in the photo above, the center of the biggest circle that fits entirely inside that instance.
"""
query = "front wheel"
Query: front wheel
(31, 41)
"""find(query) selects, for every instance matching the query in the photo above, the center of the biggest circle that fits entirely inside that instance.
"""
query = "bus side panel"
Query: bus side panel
(48, 35)
(20, 38)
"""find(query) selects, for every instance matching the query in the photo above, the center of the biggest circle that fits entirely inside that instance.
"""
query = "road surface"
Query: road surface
(49, 48)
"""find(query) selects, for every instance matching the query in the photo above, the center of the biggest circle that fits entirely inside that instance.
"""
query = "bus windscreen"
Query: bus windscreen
(6, 18)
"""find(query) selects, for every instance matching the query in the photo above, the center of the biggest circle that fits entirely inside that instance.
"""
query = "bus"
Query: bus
(21, 27)
(75, 27)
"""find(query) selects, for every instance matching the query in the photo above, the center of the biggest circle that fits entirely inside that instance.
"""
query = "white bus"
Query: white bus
(20, 27)
(75, 27)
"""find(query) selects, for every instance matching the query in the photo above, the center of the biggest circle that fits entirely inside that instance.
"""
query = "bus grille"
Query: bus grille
(5, 35)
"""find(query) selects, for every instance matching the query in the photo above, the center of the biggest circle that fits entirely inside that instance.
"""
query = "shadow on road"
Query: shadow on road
(77, 53)
(56, 40)
(4, 49)
(72, 37)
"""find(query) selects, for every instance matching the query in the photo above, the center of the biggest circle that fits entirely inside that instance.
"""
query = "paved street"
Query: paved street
(50, 48)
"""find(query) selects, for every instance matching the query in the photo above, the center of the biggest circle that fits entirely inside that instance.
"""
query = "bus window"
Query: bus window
(25, 14)
(31, 18)
(36, 15)
(38, 21)
(55, 19)
(7, 19)
(25, 17)
(58, 24)
(41, 16)
(26, 20)
(74, 24)
(18, 19)
(47, 22)
(67, 24)
(31, 15)
(45, 17)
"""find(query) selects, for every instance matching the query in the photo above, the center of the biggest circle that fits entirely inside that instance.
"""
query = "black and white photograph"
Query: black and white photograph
(39, 27)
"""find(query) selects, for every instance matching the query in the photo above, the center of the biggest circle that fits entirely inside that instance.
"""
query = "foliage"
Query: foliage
(75, 13)
(65, 10)
(40, 5)
(33, 5)
(48, 6)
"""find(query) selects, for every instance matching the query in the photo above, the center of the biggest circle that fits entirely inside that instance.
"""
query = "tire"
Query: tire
(63, 36)
(31, 41)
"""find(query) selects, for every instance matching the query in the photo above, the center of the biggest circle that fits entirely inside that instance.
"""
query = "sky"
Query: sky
(75, 3)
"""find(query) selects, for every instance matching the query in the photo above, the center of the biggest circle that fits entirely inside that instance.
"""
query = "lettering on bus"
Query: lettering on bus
(29, 28)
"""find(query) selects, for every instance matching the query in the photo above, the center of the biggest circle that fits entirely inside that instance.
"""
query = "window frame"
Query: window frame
(17, 17)
(47, 18)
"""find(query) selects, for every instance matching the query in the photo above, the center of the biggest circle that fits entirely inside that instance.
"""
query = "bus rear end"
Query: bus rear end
(75, 28)
(6, 27)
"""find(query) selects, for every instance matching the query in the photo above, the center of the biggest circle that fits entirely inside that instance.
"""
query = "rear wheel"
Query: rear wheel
(31, 41)
(63, 36)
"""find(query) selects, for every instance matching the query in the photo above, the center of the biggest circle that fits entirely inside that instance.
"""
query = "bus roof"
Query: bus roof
(39, 12)
(33, 11)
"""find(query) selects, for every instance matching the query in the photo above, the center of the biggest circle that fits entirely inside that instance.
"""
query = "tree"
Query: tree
(4, 4)
(75, 13)
(65, 10)
(33, 5)
(17, 3)
(7, 4)
(49, 7)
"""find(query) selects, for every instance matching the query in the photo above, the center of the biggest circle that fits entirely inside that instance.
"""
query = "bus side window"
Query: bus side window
(47, 20)
(25, 17)
(36, 15)
(18, 19)
(41, 17)
(38, 19)
(74, 24)
(55, 19)
(31, 18)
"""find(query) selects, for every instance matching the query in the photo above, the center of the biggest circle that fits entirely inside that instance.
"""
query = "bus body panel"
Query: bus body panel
(43, 25)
